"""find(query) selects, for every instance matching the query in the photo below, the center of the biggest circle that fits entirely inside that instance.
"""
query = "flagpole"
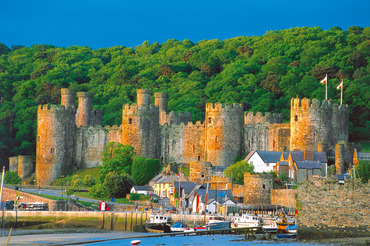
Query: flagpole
(326, 88)
(341, 94)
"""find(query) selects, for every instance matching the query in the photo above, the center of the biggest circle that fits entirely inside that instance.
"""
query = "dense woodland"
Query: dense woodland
(263, 73)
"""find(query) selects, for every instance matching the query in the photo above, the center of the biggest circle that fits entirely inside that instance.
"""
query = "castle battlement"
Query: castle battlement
(51, 108)
(196, 124)
(253, 119)
(135, 108)
(220, 106)
(306, 104)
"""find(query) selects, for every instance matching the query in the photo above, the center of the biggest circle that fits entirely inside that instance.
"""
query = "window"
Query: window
(209, 120)
(296, 118)
(267, 164)
(38, 138)
(216, 139)
(263, 186)
(198, 157)
(52, 150)
(193, 148)
(129, 121)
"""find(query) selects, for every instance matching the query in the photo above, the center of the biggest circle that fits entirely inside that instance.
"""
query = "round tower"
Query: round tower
(54, 143)
(317, 122)
(143, 97)
(224, 132)
(84, 111)
(140, 129)
(68, 97)
(161, 100)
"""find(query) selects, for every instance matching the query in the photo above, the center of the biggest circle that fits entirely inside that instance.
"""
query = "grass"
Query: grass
(81, 173)
(118, 200)
(365, 146)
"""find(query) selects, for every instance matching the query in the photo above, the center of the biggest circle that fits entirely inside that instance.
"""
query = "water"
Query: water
(218, 240)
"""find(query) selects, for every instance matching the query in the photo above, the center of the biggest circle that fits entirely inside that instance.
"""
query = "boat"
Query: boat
(135, 242)
(158, 224)
(247, 220)
(218, 222)
(283, 222)
(178, 227)
(291, 229)
(286, 235)
(269, 224)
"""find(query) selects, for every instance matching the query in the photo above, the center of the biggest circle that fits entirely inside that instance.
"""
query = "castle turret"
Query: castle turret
(161, 100)
(143, 97)
(140, 126)
(55, 142)
(224, 132)
(68, 97)
(83, 116)
(317, 122)
(258, 188)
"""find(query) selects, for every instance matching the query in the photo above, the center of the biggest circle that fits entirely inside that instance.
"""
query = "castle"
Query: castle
(72, 138)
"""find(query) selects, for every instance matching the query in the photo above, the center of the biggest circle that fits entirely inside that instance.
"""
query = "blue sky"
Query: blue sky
(107, 23)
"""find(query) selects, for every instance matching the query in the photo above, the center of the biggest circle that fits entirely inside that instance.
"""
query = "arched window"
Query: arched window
(263, 186)
(198, 157)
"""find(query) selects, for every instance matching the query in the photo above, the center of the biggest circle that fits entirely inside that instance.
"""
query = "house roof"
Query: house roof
(363, 156)
(297, 155)
(317, 156)
(285, 155)
(269, 156)
(219, 168)
(308, 165)
(170, 179)
(218, 195)
(320, 156)
(143, 188)
(283, 163)
(249, 155)
(187, 186)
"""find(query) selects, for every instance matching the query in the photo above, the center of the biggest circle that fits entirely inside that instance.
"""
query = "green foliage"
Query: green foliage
(236, 171)
(283, 176)
(144, 169)
(134, 196)
(98, 191)
(89, 181)
(76, 182)
(118, 185)
(70, 191)
(116, 157)
(363, 171)
(263, 73)
(12, 178)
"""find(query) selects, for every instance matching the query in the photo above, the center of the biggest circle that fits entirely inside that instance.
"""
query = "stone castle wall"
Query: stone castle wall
(330, 210)
(194, 142)
(279, 137)
(283, 197)
(258, 188)
(317, 122)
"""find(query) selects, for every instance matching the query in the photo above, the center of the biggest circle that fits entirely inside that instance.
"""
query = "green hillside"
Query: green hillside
(263, 73)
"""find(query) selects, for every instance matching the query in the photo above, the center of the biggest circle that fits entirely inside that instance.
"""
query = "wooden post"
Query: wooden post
(132, 216)
(126, 222)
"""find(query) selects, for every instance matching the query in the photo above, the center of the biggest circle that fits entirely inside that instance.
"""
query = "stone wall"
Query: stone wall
(283, 197)
(258, 188)
(194, 139)
(330, 210)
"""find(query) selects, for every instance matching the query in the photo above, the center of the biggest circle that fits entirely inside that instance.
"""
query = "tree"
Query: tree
(76, 182)
(116, 157)
(12, 178)
(89, 180)
(143, 170)
(363, 171)
(236, 171)
(118, 185)
(98, 191)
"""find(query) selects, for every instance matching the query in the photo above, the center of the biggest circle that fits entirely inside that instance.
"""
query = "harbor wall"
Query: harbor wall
(330, 210)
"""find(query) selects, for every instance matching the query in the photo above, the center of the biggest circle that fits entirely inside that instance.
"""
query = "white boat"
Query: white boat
(247, 220)
(159, 223)
(218, 222)
(178, 227)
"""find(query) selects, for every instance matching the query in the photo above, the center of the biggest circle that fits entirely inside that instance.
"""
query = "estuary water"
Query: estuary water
(204, 240)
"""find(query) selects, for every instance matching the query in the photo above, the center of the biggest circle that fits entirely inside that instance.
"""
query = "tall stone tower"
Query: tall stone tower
(224, 133)
(258, 188)
(68, 97)
(55, 142)
(317, 123)
(140, 125)
(161, 100)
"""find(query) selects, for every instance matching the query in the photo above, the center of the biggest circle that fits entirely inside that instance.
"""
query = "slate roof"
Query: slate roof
(269, 156)
(308, 165)
(187, 186)
(170, 179)
(285, 155)
(297, 155)
(146, 188)
(218, 195)
(320, 156)
(363, 156)
(283, 163)
(219, 168)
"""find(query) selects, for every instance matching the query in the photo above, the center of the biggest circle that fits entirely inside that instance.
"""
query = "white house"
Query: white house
(144, 190)
(263, 161)
(215, 199)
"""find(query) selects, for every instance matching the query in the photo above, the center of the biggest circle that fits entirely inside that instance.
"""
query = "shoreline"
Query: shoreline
(77, 236)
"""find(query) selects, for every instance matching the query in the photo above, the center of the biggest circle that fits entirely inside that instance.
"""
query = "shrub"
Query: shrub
(12, 178)
(89, 180)
(98, 191)
(118, 185)
(76, 182)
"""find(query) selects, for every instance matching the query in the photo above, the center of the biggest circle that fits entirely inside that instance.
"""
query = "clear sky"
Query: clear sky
(106, 23)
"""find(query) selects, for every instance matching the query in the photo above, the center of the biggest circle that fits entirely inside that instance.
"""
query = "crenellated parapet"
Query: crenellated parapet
(178, 117)
(317, 121)
(259, 118)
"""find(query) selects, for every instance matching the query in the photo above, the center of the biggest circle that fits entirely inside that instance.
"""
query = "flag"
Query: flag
(340, 86)
(323, 81)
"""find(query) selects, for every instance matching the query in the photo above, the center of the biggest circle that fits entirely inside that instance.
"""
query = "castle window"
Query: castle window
(52, 150)
(209, 120)
(168, 148)
(263, 186)
(193, 148)
(296, 118)
(38, 138)
(129, 121)
(202, 175)
(198, 157)
(216, 139)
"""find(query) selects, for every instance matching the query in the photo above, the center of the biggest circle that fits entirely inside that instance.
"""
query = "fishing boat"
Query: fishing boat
(178, 227)
(247, 220)
(218, 222)
(158, 224)
(283, 222)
